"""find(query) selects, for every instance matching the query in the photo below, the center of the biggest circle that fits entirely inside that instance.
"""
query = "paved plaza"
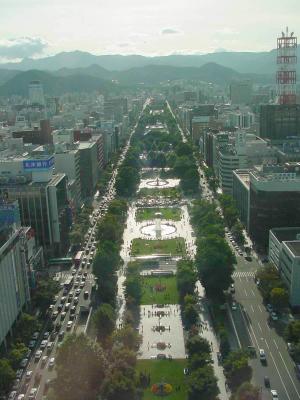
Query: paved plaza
(162, 331)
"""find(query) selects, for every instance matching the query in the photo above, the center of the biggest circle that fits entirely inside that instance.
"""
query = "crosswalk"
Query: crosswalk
(243, 274)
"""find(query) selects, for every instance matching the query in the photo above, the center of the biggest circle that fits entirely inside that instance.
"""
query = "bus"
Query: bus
(68, 283)
(77, 258)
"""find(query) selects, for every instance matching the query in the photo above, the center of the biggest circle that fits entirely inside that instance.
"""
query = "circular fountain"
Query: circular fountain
(157, 230)
(157, 182)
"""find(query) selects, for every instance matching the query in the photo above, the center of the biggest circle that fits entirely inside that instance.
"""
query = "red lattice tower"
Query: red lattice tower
(286, 72)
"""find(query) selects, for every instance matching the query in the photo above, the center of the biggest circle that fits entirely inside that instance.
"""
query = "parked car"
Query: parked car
(28, 375)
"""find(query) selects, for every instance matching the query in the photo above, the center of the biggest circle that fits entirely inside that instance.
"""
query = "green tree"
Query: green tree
(104, 320)
(247, 392)
(224, 343)
(197, 345)
(190, 314)
(214, 261)
(81, 368)
(236, 368)
(127, 181)
(133, 289)
(279, 297)
(26, 325)
(17, 353)
(75, 236)
(186, 277)
(127, 337)
(292, 332)
(184, 149)
(7, 376)
(237, 233)
(43, 295)
(119, 387)
(199, 361)
(202, 384)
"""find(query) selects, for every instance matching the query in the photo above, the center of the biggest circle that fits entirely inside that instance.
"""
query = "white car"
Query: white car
(32, 394)
(274, 394)
(51, 362)
(69, 325)
(43, 344)
(28, 375)
(38, 355)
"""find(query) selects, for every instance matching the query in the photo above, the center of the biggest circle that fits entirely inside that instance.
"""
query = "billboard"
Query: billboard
(38, 164)
(9, 214)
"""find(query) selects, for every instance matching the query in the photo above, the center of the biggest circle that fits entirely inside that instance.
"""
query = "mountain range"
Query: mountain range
(243, 62)
(82, 71)
(93, 77)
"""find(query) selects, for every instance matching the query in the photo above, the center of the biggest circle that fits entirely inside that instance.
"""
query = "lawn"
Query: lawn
(144, 247)
(173, 193)
(171, 213)
(167, 294)
(168, 371)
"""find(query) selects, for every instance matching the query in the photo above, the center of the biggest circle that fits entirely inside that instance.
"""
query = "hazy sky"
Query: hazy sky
(40, 27)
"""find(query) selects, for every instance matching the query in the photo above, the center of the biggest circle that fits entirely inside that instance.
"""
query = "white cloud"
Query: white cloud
(21, 47)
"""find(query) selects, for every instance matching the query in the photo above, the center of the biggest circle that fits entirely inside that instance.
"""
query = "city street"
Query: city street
(254, 328)
(77, 295)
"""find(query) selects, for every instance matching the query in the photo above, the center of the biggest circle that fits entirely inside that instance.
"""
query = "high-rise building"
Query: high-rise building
(18, 256)
(36, 93)
(241, 92)
(279, 121)
(274, 200)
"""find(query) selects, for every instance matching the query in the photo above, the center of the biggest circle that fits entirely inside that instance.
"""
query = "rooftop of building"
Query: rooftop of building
(294, 247)
(244, 176)
(284, 173)
(86, 145)
(286, 234)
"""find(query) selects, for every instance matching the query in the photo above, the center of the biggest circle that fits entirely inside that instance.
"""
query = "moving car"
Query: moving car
(28, 375)
(32, 394)
(38, 355)
(43, 344)
(274, 394)
(24, 362)
(267, 381)
(234, 306)
(51, 362)
(262, 355)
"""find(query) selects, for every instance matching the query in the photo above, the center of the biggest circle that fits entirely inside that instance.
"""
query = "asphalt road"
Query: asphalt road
(252, 326)
(41, 367)
(255, 328)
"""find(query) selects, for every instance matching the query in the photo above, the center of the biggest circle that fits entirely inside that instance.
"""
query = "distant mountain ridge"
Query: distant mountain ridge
(242, 62)
(95, 77)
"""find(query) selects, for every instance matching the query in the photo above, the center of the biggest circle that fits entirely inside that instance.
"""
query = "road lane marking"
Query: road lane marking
(259, 326)
(259, 308)
(289, 374)
(252, 293)
(245, 292)
(234, 327)
(279, 374)
(245, 322)
(252, 308)
(275, 344)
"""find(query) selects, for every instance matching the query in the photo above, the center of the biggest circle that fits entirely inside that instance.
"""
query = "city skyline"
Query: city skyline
(152, 29)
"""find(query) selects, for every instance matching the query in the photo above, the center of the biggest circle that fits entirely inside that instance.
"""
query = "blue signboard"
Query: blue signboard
(34, 165)
(9, 214)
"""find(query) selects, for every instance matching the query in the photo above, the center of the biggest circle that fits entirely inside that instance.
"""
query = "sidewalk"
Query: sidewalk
(207, 332)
